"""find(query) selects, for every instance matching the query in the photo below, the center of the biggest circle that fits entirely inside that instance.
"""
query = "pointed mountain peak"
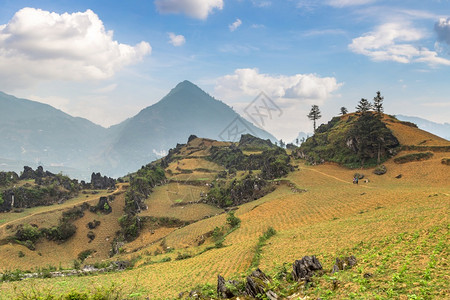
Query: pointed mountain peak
(186, 91)
(186, 86)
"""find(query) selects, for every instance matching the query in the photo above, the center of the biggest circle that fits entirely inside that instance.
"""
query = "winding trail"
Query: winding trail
(331, 176)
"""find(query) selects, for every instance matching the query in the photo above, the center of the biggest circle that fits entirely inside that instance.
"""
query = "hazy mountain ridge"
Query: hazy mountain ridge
(439, 129)
(39, 133)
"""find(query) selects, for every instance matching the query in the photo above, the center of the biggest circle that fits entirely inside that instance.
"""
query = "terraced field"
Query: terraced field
(333, 217)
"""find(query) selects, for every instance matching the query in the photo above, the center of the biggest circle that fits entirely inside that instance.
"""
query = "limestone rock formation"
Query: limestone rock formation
(305, 268)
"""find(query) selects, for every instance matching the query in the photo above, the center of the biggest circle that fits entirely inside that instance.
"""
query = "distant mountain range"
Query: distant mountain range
(439, 129)
(42, 135)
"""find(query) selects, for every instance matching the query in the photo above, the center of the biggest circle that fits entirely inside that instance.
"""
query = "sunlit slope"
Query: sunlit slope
(332, 217)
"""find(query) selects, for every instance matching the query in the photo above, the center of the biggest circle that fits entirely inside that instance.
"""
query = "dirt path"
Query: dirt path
(331, 176)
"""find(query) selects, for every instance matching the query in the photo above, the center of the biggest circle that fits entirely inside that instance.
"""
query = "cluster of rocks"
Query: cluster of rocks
(100, 182)
(258, 284)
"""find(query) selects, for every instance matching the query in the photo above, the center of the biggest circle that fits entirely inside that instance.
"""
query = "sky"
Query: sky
(107, 60)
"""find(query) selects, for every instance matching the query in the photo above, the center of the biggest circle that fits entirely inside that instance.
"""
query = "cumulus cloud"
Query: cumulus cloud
(442, 28)
(233, 26)
(298, 87)
(176, 40)
(396, 42)
(198, 9)
(37, 44)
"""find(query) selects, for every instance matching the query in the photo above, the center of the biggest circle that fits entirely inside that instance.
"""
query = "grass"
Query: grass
(401, 237)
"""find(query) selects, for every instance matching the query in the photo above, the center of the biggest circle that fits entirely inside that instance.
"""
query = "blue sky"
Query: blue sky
(107, 60)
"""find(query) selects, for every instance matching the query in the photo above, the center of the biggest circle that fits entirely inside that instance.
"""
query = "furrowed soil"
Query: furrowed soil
(398, 228)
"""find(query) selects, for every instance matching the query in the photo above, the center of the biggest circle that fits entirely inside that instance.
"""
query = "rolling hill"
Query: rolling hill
(396, 225)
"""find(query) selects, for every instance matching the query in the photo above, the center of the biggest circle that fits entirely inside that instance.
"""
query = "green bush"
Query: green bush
(413, 157)
(232, 220)
(28, 233)
(84, 254)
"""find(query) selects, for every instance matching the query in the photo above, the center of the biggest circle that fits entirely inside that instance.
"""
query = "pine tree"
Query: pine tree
(314, 115)
(363, 106)
(378, 103)
(344, 110)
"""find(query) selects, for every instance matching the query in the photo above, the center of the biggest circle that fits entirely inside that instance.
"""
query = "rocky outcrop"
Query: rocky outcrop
(257, 284)
(304, 269)
(102, 206)
(380, 170)
(226, 289)
(344, 263)
(7, 178)
(100, 182)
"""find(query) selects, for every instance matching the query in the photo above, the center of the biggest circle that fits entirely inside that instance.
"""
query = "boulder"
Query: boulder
(224, 289)
(344, 263)
(257, 284)
(305, 268)
(380, 170)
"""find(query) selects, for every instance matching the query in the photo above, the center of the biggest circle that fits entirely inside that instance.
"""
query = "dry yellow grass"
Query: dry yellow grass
(161, 203)
(408, 135)
(332, 216)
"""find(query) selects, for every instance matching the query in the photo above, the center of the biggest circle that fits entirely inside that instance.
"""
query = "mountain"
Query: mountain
(41, 134)
(36, 132)
(186, 110)
(301, 137)
(442, 130)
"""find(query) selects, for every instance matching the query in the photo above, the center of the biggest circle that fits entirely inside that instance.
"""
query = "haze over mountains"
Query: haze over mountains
(39, 134)
(442, 130)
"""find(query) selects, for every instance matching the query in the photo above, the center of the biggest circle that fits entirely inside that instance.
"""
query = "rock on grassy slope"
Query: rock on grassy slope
(396, 227)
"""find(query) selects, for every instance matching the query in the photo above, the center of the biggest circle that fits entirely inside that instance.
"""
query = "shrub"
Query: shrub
(413, 157)
(84, 254)
(232, 220)
(445, 161)
(28, 233)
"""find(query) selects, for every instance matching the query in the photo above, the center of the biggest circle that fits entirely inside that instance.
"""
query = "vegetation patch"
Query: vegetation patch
(238, 191)
(446, 161)
(359, 140)
(270, 232)
(413, 157)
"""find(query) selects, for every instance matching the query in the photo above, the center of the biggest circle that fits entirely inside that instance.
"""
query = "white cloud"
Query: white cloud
(38, 45)
(235, 25)
(442, 28)
(343, 3)
(199, 9)
(291, 98)
(176, 40)
(262, 3)
(396, 42)
(298, 87)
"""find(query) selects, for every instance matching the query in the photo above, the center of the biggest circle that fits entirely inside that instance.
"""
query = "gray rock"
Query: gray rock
(304, 269)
